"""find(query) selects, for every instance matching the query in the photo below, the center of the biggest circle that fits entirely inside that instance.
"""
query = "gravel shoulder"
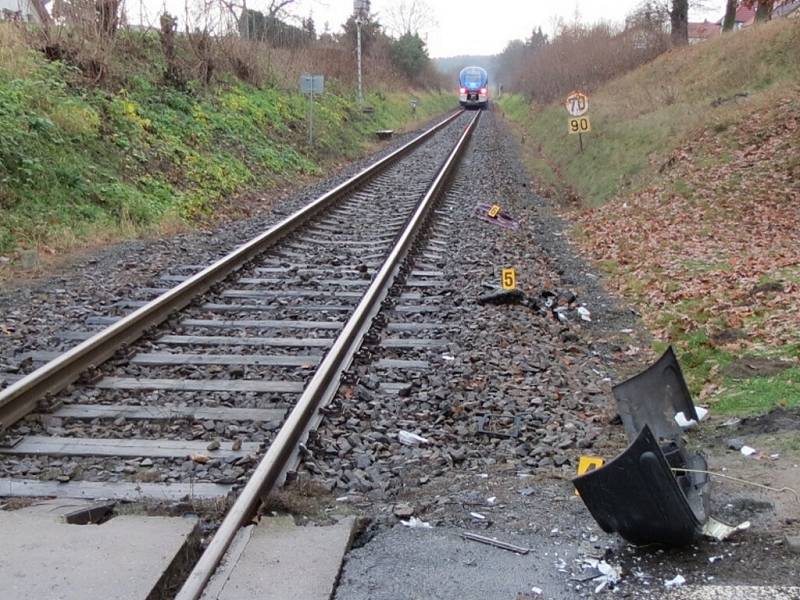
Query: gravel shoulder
(554, 381)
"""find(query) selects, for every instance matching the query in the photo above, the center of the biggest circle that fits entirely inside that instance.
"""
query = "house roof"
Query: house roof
(745, 15)
(704, 30)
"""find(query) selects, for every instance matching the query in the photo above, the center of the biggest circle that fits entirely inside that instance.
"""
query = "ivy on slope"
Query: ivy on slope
(81, 163)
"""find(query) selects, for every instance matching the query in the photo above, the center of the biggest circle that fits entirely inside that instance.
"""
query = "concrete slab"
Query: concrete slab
(438, 564)
(126, 558)
(282, 561)
(724, 592)
(113, 490)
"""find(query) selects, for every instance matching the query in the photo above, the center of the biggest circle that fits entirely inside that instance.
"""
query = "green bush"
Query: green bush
(79, 160)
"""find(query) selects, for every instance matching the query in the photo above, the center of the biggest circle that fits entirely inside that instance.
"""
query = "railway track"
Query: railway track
(218, 374)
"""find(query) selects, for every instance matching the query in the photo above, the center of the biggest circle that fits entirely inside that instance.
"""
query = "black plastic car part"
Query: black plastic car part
(638, 496)
(653, 398)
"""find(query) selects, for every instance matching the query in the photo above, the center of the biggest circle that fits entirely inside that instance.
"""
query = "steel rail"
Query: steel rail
(321, 388)
(21, 397)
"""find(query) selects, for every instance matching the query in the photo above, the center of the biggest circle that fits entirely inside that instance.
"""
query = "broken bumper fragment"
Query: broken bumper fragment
(655, 492)
(654, 397)
(638, 496)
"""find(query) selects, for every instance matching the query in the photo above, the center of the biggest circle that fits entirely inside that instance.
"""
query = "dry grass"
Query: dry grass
(749, 61)
(113, 60)
(580, 57)
(14, 50)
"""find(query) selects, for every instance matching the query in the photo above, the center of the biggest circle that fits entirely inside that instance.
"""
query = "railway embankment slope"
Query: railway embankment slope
(85, 164)
(687, 195)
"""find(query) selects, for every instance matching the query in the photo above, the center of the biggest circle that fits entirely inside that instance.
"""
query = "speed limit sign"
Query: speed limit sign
(577, 104)
(580, 125)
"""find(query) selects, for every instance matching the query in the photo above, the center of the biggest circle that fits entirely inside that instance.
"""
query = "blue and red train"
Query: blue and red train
(473, 90)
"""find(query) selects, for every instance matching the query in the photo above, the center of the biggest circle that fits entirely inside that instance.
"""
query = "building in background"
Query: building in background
(700, 32)
(786, 8)
(745, 17)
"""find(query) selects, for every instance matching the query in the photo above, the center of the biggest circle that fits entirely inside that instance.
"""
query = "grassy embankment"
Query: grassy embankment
(688, 197)
(84, 164)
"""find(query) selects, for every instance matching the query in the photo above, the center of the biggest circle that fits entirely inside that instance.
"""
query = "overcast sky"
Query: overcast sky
(459, 27)
(486, 26)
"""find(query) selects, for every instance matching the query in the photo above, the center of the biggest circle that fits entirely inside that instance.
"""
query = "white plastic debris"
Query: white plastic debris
(491, 501)
(537, 591)
(478, 516)
(609, 574)
(748, 451)
(677, 581)
(720, 531)
(685, 423)
(411, 439)
(448, 357)
(415, 523)
(584, 313)
(713, 559)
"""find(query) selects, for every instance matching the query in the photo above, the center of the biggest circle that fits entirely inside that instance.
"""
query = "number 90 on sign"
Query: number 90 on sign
(580, 125)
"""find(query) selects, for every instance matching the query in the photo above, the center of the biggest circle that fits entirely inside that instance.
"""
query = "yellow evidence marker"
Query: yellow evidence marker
(508, 279)
(587, 464)
(494, 211)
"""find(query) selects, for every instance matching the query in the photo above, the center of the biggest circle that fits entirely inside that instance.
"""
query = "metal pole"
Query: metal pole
(311, 119)
(360, 77)
(580, 140)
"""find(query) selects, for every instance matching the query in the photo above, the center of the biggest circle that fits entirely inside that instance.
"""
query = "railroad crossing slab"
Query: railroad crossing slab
(720, 592)
(125, 558)
(283, 561)
(438, 564)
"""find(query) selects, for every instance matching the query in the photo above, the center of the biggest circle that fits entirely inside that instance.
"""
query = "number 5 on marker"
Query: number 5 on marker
(509, 279)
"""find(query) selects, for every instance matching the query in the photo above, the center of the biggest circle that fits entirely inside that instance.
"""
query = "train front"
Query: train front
(473, 87)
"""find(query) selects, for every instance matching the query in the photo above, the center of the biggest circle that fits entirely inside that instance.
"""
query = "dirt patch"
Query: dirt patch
(727, 336)
(776, 421)
(773, 511)
(306, 497)
(768, 288)
(754, 366)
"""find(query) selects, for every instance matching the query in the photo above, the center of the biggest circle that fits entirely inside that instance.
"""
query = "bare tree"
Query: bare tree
(276, 6)
(41, 12)
(730, 15)
(763, 8)
(108, 16)
(411, 16)
(679, 20)
(273, 10)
